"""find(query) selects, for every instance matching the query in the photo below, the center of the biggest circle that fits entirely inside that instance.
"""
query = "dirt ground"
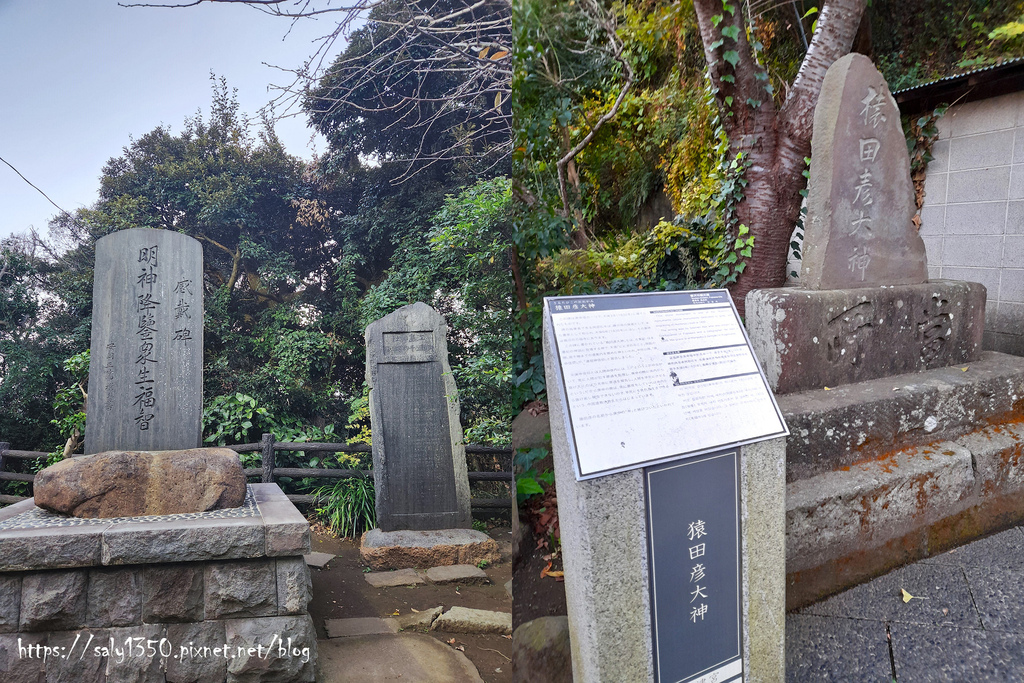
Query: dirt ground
(341, 592)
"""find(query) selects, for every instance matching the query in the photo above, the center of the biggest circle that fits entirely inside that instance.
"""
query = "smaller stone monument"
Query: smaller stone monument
(419, 459)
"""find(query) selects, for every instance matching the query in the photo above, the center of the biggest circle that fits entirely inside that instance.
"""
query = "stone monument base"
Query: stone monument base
(406, 548)
(810, 339)
(212, 596)
(889, 471)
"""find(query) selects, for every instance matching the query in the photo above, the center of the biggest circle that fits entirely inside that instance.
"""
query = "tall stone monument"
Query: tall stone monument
(900, 441)
(419, 459)
(865, 308)
(860, 200)
(146, 381)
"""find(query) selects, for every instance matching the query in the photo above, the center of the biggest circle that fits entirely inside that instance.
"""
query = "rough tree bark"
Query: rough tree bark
(773, 139)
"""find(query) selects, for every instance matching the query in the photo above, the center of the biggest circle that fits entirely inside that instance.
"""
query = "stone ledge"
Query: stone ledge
(809, 338)
(864, 421)
(273, 528)
(849, 525)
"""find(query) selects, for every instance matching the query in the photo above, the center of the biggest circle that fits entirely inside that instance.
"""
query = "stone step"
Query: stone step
(400, 577)
(846, 526)
(464, 574)
(318, 560)
(468, 620)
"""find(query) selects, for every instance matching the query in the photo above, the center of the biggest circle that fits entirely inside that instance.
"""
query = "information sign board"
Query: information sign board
(657, 376)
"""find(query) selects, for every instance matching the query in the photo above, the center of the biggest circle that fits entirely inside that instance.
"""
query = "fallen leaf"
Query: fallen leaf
(415, 610)
(964, 369)
(828, 389)
(907, 597)
(945, 611)
(451, 642)
(460, 648)
(395, 613)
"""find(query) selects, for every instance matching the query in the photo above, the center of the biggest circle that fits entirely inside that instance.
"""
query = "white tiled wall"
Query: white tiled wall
(972, 220)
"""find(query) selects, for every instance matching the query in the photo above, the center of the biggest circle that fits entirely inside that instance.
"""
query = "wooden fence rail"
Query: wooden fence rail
(268, 471)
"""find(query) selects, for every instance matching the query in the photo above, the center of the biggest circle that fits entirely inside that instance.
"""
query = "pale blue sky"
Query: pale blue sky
(78, 77)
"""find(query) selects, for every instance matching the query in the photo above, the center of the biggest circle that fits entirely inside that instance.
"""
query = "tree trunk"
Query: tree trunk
(773, 141)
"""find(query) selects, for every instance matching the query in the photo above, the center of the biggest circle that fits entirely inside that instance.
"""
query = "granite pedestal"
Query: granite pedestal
(211, 596)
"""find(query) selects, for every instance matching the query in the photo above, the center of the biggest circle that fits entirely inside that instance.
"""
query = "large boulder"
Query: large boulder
(137, 483)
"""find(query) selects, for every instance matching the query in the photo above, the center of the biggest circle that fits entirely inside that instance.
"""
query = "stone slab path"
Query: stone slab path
(407, 657)
(361, 618)
(964, 622)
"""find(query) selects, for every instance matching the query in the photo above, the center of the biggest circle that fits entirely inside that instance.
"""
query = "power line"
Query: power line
(38, 190)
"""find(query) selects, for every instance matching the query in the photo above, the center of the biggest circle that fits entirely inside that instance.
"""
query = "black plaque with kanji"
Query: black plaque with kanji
(693, 532)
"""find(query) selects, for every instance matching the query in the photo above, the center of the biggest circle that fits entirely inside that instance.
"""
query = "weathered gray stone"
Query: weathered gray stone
(115, 597)
(22, 666)
(416, 620)
(401, 549)
(464, 574)
(812, 339)
(198, 653)
(71, 667)
(10, 602)
(419, 459)
(146, 383)
(287, 531)
(292, 655)
(359, 626)
(763, 538)
(400, 577)
(840, 514)
(860, 202)
(319, 560)
(173, 593)
(241, 589)
(137, 483)
(997, 456)
(50, 547)
(53, 601)
(172, 541)
(604, 553)
(468, 620)
(541, 652)
(294, 586)
(927, 653)
(139, 665)
(830, 430)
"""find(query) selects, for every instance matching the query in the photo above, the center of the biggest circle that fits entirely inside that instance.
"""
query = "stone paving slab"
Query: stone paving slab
(820, 649)
(999, 596)
(946, 598)
(468, 620)
(400, 577)
(318, 560)
(1005, 549)
(361, 626)
(954, 655)
(458, 573)
(407, 657)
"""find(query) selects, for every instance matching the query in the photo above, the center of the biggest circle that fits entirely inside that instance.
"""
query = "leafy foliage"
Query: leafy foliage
(347, 506)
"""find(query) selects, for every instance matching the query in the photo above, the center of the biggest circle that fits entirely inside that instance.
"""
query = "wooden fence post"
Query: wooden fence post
(267, 451)
(4, 446)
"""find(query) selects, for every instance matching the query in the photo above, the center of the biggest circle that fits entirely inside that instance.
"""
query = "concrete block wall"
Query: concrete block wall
(972, 220)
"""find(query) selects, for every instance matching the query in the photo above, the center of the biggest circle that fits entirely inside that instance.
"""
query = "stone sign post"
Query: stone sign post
(145, 379)
(419, 459)
(669, 459)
